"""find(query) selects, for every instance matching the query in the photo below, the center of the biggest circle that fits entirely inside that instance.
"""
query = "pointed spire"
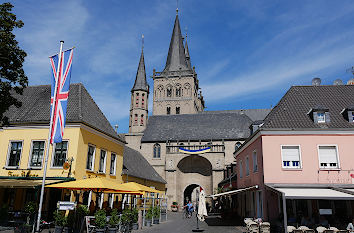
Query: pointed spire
(176, 58)
(186, 52)
(140, 79)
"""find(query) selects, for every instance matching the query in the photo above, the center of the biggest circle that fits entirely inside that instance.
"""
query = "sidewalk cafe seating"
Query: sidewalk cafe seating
(336, 230)
(306, 229)
(321, 229)
(264, 227)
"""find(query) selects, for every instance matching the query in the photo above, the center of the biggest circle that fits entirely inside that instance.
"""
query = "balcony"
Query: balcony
(174, 149)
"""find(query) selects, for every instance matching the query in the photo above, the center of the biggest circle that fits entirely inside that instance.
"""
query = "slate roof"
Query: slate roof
(81, 108)
(140, 79)
(209, 126)
(253, 114)
(292, 110)
(131, 158)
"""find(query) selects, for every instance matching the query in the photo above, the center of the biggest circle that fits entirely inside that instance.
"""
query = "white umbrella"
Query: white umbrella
(202, 211)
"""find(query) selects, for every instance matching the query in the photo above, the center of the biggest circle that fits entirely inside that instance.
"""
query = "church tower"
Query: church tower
(139, 99)
(176, 88)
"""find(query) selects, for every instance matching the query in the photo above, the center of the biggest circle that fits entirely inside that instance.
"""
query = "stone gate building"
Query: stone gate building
(188, 147)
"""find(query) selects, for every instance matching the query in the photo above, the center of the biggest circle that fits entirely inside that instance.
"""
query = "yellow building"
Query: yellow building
(90, 144)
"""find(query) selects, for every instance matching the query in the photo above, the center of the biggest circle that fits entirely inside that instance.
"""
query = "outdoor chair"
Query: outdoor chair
(291, 228)
(320, 229)
(265, 227)
(252, 227)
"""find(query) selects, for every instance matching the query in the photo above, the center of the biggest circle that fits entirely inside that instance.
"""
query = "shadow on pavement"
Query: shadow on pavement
(218, 221)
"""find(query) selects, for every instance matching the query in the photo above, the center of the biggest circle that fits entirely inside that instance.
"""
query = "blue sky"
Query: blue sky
(247, 53)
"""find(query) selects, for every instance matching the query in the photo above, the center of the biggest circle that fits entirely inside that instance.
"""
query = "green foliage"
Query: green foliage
(59, 218)
(100, 218)
(156, 212)
(71, 219)
(114, 220)
(82, 210)
(126, 216)
(174, 203)
(134, 215)
(148, 214)
(12, 76)
(31, 207)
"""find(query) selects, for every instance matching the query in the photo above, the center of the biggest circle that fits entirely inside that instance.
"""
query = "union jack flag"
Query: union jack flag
(61, 84)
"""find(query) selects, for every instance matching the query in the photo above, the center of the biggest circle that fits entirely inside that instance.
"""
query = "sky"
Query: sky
(247, 53)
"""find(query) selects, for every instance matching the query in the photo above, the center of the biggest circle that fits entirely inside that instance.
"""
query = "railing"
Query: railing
(174, 149)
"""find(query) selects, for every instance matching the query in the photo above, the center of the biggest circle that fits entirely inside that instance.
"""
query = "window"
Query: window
(178, 92)
(157, 151)
(237, 145)
(136, 119)
(321, 117)
(178, 110)
(247, 166)
(14, 154)
(352, 117)
(143, 100)
(90, 158)
(291, 156)
(142, 119)
(169, 92)
(168, 110)
(102, 165)
(137, 100)
(37, 153)
(241, 169)
(255, 162)
(112, 169)
(328, 157)
(60, 152)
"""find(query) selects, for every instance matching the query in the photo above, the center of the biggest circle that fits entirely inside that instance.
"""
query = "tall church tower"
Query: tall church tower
(176, 88)
(139, 99)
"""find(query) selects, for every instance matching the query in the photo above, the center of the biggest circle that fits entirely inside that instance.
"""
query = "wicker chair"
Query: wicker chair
(264, 227)
(252, 227)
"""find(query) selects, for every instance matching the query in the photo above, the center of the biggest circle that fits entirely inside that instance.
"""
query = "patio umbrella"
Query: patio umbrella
(97, 185)
(202, 211)
(139, 187)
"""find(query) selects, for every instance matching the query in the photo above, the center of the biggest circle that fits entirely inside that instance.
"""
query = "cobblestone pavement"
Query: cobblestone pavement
(176, 224)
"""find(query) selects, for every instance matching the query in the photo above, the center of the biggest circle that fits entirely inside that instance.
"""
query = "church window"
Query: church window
(157, 151)
(178, 110)
(143, 100)
(187, 90)
(160, 91)
(169, 92)
(142, 119)
(136, 119)
(178, 91)
(168, 110)
(137, 100)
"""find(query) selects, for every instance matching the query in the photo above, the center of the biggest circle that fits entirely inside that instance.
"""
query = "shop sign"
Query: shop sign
(66, 205)
(325, 211)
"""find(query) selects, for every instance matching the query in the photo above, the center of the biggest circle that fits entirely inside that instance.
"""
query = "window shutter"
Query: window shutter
(328, 154)
(327, 118)
(291, 153)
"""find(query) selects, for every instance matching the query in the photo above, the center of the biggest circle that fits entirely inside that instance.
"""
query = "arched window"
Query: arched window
(160, 91)
(168, 110)
(187, 89)
(136, 119)
(169, 91)
(137, 100)
(157, 151)
(178, 90)
(237, 145)
(142, 119)
(178, 110)
(143, 100)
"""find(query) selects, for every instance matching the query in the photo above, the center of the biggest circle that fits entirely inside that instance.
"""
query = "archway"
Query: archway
(188, 191)
(195, 164)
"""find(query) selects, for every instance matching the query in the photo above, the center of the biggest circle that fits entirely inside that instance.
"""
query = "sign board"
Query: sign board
(325, 211)
(66, 205)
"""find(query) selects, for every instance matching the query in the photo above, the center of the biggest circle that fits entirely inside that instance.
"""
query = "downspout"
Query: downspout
(285, 217)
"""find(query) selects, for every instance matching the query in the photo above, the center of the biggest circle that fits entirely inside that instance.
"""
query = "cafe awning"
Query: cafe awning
(315, 193)
(25, 183)
(232, 192)
(98, 184)
(140, 187)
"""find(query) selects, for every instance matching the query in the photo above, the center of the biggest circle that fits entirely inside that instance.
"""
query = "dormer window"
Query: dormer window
(348, 114)
(352, 117)
(321, 117)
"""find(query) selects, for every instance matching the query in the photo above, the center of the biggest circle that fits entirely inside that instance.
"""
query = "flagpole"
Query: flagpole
(49, 137)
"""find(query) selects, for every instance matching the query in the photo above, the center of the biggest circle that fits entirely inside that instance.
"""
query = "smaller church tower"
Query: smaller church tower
(139, 98)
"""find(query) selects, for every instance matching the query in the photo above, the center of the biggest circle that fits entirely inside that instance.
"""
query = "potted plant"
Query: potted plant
(174, 206)
(148, 217)
(31, 209)
(100, 221)
(70, 221)
(59, 220)
(126, 220)
(113, 221)
(134, 217)
(81, 212)
(156, 214)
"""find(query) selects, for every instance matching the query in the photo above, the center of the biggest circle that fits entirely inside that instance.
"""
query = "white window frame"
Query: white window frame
(241, 169)
(282, 158)
(324, 117)
(93, 158)
(319, 161)
(104, 162)
(53, 154)
(255, 161)
(247, 165)
(31, 151)
(115, 164)
(8, 154)
(352, 117)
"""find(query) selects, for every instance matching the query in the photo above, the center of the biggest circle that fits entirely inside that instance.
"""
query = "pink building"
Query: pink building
(302, 160)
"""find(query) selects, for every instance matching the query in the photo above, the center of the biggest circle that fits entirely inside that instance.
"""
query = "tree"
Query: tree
(12, 76)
